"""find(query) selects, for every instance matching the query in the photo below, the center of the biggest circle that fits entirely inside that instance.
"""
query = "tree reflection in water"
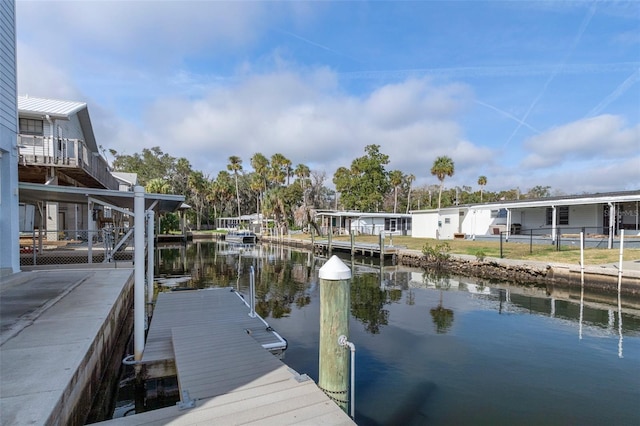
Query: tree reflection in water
(368, 300)
(441, 316)
(279, 284)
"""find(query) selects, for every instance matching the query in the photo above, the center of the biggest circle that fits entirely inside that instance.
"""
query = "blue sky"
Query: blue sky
(525, 93)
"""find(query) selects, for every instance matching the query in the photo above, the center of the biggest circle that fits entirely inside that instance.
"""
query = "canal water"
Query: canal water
(440, 350)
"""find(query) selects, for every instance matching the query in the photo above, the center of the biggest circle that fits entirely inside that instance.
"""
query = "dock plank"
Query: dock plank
(231, 377)
(210, 363)
(202, 308)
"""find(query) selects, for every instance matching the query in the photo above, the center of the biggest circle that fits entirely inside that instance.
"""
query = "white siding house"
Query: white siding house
(596, 214)
(57, 146)
(9, 217)
(347, 222)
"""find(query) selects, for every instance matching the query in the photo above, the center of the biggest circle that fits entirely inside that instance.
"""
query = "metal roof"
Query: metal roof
(60, 110)
(130, 178)
(358, 214)
(34, 192)
(568, 200)
(51, 107)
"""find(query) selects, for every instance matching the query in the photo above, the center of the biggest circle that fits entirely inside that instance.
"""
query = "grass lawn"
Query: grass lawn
(511, 250)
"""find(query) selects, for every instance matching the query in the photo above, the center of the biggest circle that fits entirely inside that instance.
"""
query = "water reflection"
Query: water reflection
(427, 343)
(287, 278)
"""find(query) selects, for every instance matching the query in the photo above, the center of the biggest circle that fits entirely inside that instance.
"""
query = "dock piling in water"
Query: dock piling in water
(333, 372)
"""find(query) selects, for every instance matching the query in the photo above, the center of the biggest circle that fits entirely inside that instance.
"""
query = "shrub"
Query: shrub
(480, 255)
(437, 255)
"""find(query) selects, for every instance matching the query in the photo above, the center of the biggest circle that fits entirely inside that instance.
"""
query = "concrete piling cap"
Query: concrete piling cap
(334, 270)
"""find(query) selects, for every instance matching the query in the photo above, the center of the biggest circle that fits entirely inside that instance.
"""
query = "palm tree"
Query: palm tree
(234, 166)
(442, 167)
(220, 191)
(410, 179)
(395, 178)
(198, 186)
(279, 169)
(157, 186)
(302, 173)
(261, 165)
(256, 185)
(482, 181)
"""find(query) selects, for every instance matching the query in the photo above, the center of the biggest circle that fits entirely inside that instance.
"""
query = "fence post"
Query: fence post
(501, 245)
(353, 244)
(333, 370)
(531, 241)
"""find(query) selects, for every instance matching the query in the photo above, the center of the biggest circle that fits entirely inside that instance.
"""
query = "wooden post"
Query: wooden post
(353, 244)
(381, 239)
(329, 236)
(333, 373)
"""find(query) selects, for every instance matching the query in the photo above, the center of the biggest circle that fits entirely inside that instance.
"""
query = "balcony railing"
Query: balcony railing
(65, 153)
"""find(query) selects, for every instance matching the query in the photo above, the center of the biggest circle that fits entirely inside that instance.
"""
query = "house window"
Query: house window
(390, 224)
(31, 127)
(447, 220)
(563, 215)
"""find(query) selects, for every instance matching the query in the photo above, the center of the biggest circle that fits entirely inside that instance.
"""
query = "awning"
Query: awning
(32, 193)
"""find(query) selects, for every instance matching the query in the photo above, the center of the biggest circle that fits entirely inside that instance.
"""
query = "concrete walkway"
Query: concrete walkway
(55, 326)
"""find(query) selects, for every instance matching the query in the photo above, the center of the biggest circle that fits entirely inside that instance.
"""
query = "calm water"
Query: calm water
(441, 351)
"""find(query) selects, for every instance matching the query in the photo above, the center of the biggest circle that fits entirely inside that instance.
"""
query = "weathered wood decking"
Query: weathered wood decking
(225, 373)
(362, 249)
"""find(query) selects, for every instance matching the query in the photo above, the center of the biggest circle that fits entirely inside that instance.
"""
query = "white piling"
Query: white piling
(620, 264)
(581, 283)
(150, 254)
(620, 294)
(138, 291)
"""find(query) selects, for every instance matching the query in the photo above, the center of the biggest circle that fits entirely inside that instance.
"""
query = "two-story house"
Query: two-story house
(57, 146)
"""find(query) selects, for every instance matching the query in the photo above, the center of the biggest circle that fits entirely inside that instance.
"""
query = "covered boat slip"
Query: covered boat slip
(241, 237)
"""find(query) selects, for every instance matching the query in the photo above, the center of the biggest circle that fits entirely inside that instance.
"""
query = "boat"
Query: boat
(241, 237)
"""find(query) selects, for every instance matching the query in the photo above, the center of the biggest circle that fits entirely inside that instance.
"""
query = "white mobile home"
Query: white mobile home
(348, 222)
(596, 214)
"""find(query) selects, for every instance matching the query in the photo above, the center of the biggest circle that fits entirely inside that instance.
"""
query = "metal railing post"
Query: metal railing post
(138, 293)
(342, 341)
(252, 293)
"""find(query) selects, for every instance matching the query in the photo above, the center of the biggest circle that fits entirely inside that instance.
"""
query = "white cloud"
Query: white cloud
(306, 118)
(32, 69)
(603, 136)
(142, 27)
(207, 80)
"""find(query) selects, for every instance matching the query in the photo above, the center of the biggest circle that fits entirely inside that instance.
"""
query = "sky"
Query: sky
(525, 93)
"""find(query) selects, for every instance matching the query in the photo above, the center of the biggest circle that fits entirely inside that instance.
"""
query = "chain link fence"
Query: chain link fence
(563, 239)
(64, 246)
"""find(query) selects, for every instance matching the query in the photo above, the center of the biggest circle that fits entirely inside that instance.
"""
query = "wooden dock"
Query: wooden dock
(211, 308)
(362, 249)
(225, 370)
